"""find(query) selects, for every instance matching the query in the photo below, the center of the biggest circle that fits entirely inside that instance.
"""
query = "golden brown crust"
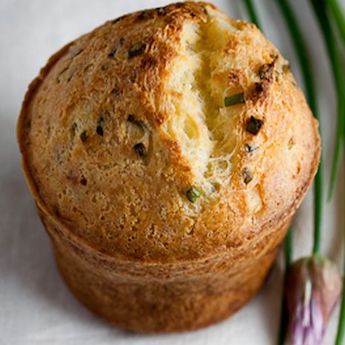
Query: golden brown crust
(136, 208)
(104, 157)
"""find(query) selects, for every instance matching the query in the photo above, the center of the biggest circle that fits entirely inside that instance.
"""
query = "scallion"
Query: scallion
(234, 99)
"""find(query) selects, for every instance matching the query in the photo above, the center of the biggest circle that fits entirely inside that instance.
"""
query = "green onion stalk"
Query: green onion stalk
(319, 7)
(338, 15)
(288, 250)
(341, 323)
(336, 12)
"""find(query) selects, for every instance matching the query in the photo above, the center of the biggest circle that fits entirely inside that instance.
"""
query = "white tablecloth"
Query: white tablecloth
(35, 305)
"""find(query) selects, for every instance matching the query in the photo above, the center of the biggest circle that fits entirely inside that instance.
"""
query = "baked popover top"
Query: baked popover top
(167, 135)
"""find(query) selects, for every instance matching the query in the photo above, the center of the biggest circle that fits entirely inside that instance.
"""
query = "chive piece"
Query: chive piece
(75, 51)
(254, 125)
(114, 21)
(338, 76)
(99, 131)
(116, 47)
(341, 322)
(234, 99)
(146, 14)
(204, 9)
(277, 75)
(337, 13)
(140, 149)
(99, 128)
(83, 136)
(112, 53)
(193, 194)
(83, 181)
(131, 118)
(283, 309)
(249, 148)
(286, 68)
(135, 121)
(266, 71)
(136, 49)
(261, 89)
(161, 11)
(247, 175)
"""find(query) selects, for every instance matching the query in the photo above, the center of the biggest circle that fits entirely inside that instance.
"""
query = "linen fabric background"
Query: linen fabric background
(35, 305)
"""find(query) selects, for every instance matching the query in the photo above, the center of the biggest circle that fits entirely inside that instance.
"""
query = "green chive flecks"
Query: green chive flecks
(234, 99)
(99, 128)
(247, 175)
(254, 125)
(140, 149)
(136, 49)
(83, 136)
(193, 194)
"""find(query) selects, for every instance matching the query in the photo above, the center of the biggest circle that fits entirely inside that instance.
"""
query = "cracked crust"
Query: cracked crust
(109, 168)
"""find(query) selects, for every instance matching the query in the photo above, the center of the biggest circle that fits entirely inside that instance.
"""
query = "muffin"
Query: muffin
(167, 151)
